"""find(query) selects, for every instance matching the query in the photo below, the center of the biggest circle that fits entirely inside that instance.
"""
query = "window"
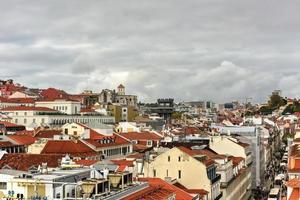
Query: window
(43, 120)
(179, 158)
(134, 142)
(33, 120)
(66, 131)
(179, 174)
(149, 143)
(167, 173)
(16, 113)
(3, 185)
(25, 121)
(169, 158)
(16, 121)
(154, 173)
(25, 113)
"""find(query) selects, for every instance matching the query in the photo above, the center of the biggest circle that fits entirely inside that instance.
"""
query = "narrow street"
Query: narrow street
(275, 177)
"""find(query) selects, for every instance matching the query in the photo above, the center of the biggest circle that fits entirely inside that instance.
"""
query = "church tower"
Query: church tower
(121, 90)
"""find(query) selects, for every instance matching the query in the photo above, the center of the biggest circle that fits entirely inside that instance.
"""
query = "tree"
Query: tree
(276, 101)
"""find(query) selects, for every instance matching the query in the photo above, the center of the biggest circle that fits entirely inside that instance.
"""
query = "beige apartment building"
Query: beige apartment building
(194, 172)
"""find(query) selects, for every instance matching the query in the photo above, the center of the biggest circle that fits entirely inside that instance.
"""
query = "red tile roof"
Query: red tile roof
(24, 161)
(19, 100)
(7, 144)
(25, 132)
(67, 147)
(94, 135)
(47, 133)
(150, 193)
(236, 160)
(52, 93)
(201, 192)
(124, 162)
(117, 141)
(294, 183)
(140, 136)
(86, 110)
(136, 155)
(295, 195)
(140, 148)
(208, 161)
(22, 139)
(180, 194)
(9, 124)
(27, 108)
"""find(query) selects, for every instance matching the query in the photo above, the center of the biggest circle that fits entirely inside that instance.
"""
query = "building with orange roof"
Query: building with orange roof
(146, 139)
(293, 189)
(30, 162)
(158, 183)
(70, 147)
(189, 168)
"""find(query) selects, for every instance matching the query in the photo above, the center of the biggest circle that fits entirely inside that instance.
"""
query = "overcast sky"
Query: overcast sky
(189, 50)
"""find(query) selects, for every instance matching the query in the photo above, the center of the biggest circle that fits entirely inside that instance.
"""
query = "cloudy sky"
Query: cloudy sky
(189, 50)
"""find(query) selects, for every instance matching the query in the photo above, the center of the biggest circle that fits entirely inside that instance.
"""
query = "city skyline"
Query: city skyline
(186, 50)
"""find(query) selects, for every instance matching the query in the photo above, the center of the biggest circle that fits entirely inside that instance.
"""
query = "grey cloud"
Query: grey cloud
(188, 50)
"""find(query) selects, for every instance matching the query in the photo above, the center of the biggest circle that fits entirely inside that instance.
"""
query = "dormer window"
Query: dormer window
(134, 142)
(149, 143)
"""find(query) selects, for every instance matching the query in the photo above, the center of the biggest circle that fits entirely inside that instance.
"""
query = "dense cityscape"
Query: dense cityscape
(149, 100)
(107, 144)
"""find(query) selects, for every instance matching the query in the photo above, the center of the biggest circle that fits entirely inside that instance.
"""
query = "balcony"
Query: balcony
(217, 178)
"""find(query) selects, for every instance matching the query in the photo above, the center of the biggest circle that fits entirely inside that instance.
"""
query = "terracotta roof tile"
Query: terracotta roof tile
(294, 183)
(208, 161)
(9, 124)
(8, 144)
(27, 108)
(150, 193)
(29, 160)
(180, 194)
(47, 133)
(295, 195)
(67, 147)
(22, 139)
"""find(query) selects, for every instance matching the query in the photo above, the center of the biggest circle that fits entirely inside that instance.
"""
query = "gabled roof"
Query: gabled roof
(22, 139)
(150, 193)
(27, 108)
(207, 162)
(94, 135)
(52, 93)
(74, 148)
(47, 133)
(140, 136)
(121, 86)
(180, 194)
(23, 161)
